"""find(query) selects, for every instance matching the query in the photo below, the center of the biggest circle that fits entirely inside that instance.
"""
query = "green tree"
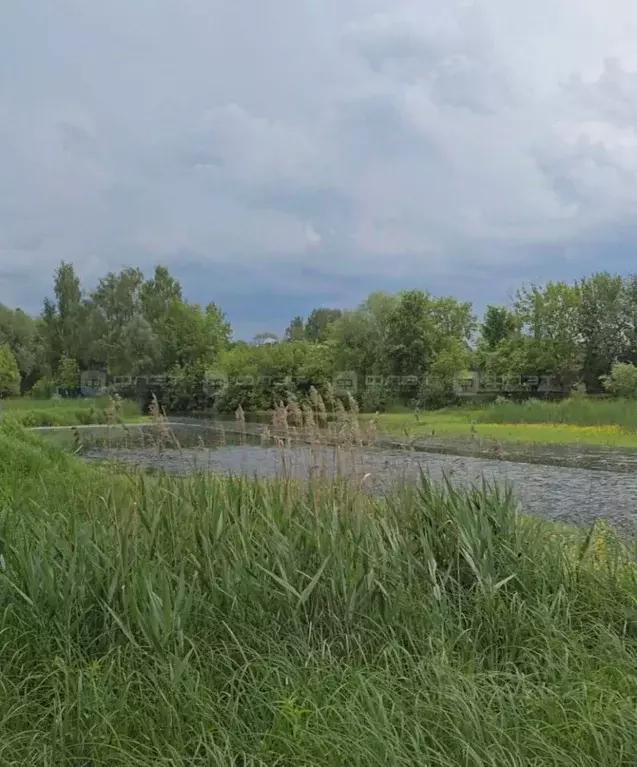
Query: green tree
(157, 295)
(64, 319)
(9, 372)
(122, 338)
(607, 325)
(442, 377)
(550, 315)
(451, 321)
(318, 323)
(359, 338)
(410, 335)
(421, 328)
(21, 333)
(295, 330)
(499, 323)
(193, 334)
(67, 375)
(260, 376)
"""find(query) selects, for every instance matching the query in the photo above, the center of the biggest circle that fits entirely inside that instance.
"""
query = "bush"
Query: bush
(67, 376)
(622, 381)
(43, 388)
(9, 373)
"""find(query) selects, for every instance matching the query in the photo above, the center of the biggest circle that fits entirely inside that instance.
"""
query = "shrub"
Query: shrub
(622, 381)
(9, 373)
(43, 388)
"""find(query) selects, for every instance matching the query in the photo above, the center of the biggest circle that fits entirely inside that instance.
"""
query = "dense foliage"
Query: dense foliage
(409, 347)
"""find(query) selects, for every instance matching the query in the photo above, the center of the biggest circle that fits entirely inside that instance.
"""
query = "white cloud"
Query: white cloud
(387, 138)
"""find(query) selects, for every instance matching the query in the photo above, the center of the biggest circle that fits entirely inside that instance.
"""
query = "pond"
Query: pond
(573, 484)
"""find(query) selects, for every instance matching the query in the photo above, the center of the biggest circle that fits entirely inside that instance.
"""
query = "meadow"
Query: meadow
(224, 621)
(32, 412)
(576, 420)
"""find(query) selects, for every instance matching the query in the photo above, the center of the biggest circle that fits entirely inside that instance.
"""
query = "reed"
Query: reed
(161, 620)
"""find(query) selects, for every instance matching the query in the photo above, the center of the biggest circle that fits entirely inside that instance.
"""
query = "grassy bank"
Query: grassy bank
(194, 621)
(574, 411)
(68, 412)
(591, 422)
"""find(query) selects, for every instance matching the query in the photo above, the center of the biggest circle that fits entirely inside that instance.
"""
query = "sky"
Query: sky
(278, 155)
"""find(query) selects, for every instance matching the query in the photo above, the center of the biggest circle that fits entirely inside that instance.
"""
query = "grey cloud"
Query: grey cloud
(612, 96)
(372, 137)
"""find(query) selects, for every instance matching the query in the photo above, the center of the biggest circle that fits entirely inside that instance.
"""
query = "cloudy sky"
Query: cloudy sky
(283, 154)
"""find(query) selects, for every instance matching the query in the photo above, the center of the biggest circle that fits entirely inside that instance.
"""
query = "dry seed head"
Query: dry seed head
(371, 431)
(322, 412)
(296, 414)
(329, 395)
(277, 417)
(308, 417)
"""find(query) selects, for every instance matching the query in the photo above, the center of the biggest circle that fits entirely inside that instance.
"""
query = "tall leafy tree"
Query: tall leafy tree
(423, 328)
(157, 295)
(551, 317)
(410, 336)
(318, 323)
(359, 338)
(124, 339)
(295, 330)
(64, 318)
(606, 324)
(499, 323)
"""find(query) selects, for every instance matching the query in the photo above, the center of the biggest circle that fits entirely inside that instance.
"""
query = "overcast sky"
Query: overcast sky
(283, 154)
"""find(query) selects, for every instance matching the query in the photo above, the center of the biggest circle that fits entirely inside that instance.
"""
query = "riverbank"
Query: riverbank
(202, 620)
(30, 412)
(575, 421)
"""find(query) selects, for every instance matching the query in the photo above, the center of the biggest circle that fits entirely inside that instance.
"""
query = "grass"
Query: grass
(69, 412)
(572, 421)
(223, 621)
(573, 411)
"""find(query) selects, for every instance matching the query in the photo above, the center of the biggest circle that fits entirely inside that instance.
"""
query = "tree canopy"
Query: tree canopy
(409, 347)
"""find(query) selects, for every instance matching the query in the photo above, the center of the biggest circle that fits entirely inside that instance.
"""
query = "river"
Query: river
(569, 493)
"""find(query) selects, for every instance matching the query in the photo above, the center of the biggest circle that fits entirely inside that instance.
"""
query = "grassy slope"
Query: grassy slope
(72, 412)
(218, 622)
(572, 421)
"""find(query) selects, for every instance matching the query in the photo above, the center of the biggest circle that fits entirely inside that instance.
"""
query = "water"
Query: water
(573, 484)
(573, 495)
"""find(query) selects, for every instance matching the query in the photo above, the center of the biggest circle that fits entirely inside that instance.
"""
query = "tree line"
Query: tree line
(407, 347)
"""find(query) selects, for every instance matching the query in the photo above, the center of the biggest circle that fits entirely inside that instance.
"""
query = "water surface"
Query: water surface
(569, 494)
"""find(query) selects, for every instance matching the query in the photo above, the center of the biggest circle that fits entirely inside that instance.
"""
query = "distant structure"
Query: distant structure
(265, 338)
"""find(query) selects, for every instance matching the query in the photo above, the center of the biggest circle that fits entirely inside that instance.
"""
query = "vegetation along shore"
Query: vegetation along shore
(408, 350)
(198, 620)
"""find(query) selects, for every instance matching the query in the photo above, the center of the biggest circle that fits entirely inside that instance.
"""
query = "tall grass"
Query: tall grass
(200, 621)
(576, 411)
